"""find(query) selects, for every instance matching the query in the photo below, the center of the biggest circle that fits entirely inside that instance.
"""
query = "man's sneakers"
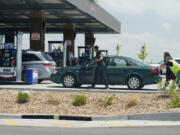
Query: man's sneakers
(93, 87)
(107, 87)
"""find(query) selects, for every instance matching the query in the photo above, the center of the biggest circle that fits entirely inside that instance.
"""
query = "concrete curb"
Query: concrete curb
(115, 117)
(156, 116)
(44, 116)
(175, 116)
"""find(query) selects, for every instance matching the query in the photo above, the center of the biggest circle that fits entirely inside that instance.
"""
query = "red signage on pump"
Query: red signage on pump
(35, 36)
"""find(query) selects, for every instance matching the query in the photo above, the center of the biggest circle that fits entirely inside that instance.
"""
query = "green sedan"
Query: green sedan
(120, 71)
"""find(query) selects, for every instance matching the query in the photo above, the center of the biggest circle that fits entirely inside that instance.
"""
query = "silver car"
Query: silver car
(39, 60)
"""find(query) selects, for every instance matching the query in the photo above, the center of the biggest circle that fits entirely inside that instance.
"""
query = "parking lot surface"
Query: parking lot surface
(50, 86)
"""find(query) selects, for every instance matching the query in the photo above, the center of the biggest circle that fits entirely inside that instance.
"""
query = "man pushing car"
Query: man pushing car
(174, 67)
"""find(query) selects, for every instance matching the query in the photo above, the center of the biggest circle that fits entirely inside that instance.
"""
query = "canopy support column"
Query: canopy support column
(37, 30)
(19, 56)
(89, 43)
(69, 37)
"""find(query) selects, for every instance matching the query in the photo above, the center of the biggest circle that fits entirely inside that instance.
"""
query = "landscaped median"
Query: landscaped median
(84, 103)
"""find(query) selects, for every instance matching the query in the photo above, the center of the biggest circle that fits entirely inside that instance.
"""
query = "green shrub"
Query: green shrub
(163, 86)
(175, 101)
(79, 100)
(22, 97)
(171, 90)
(53, 101)
(106, 101)
(168, 88)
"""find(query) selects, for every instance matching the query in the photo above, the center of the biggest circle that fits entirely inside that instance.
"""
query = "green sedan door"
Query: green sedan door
(87, 72)
(116, 70)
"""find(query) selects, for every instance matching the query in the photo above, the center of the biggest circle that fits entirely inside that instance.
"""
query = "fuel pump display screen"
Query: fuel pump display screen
(6, 55)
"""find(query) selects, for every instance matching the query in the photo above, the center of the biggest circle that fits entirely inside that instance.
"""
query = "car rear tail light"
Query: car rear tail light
(47, 64)
(154, 70)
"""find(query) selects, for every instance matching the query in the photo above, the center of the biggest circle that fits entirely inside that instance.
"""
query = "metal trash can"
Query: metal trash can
(31, 75)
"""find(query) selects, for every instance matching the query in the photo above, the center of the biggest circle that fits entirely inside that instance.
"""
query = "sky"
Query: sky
(154, 22)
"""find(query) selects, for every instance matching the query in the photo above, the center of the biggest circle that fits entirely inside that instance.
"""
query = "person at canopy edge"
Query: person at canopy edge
(100, 69)
(174, 67)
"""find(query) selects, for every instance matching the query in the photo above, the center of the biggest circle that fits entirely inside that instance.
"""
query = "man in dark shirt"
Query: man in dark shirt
(100, 69)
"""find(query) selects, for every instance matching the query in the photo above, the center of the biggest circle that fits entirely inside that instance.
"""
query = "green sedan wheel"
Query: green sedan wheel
(69, 81)
(134, 83)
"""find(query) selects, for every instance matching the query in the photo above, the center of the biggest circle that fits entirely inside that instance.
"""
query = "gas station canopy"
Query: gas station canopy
(86, 15)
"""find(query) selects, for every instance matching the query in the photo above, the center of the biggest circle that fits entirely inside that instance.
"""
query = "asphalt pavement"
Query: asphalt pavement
(50, 86)
(166, 130)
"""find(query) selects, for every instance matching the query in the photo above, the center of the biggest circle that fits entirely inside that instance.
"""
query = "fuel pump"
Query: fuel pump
(56, 53)
(8, 58)
(11, 56)
(84, 55)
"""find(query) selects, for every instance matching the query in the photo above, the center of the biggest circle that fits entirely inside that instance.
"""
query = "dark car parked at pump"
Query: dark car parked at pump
(120, 71)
